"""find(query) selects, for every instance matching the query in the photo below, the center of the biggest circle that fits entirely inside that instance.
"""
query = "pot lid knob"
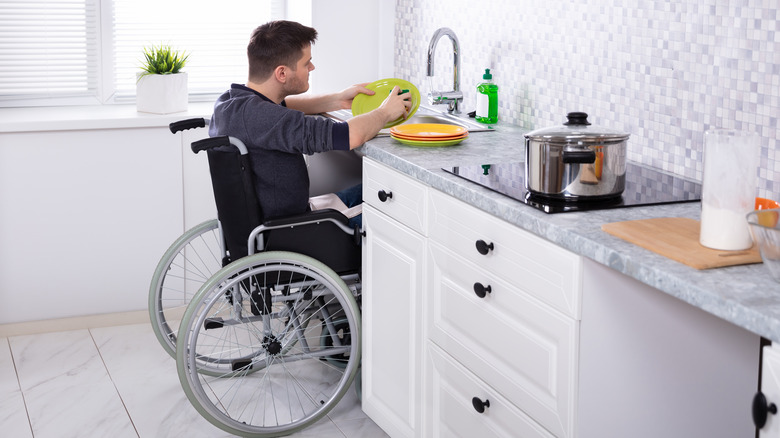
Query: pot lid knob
(577, 118)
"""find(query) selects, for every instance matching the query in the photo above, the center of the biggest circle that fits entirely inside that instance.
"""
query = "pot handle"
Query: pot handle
(581, 157)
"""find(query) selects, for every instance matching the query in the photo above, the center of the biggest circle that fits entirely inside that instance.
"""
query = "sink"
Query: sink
(424, 115)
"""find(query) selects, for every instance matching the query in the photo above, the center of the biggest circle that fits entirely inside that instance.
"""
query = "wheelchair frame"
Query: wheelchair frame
(248, 337)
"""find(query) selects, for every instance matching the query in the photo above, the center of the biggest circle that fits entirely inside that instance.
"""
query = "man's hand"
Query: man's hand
(345, 96)
(397, 105)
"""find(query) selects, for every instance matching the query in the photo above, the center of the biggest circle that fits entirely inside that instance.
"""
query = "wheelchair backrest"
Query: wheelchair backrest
(238, 210)
(314, 233)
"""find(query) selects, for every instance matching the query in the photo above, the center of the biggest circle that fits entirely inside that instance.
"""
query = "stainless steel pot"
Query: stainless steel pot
(576, 161)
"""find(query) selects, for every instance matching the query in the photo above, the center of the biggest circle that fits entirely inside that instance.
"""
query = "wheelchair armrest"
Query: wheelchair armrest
(308, 217)
(306, 221)
(323, 234)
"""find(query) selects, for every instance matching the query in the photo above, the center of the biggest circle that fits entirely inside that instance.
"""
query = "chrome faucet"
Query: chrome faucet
(451, 98)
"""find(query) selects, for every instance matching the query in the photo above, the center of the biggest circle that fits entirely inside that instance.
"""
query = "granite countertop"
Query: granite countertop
(746, 296)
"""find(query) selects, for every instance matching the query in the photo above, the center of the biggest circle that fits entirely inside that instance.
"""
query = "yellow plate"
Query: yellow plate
(430, 143)
(363, 103)
(429, 130)
(414, 137)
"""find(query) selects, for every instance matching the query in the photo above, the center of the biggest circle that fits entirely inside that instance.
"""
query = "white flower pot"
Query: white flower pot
(161, 94)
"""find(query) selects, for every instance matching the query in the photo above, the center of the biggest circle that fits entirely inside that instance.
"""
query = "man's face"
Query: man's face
(298, 81)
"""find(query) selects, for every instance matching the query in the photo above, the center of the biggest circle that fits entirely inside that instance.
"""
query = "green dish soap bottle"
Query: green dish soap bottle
(487, 99)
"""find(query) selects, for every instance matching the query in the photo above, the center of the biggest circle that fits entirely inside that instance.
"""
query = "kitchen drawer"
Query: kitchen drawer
(540, 268)
(404, 198)
(516, 344)
(452, 414)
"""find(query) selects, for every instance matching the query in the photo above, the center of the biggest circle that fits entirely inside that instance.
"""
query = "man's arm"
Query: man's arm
(366, 126)
(321, 103)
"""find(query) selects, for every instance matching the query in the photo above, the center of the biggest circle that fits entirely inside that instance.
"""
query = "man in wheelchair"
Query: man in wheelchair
(270, 115)
(260, 307)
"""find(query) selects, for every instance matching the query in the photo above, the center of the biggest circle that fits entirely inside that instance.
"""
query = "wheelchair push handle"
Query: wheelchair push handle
(222, 140)
(211, 142)
(182, 125)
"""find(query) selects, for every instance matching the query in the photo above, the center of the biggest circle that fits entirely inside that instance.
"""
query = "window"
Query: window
(49, 49)
(66, 52)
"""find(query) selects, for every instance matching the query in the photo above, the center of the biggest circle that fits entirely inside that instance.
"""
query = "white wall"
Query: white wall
(84, 218)
(354, 45)
(355, 42)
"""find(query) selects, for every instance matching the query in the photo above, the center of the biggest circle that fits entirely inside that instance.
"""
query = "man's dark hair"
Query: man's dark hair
(277, 43)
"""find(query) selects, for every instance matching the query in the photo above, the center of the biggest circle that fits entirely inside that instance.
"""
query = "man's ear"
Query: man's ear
(280, 73)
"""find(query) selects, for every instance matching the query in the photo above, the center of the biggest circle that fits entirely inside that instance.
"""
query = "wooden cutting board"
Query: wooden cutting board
(678, 239)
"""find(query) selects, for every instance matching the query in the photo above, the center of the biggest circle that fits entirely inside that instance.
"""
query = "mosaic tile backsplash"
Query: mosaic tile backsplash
(663, 70)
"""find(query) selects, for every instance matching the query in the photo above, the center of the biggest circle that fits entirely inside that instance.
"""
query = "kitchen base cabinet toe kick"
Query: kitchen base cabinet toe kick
(506, 334)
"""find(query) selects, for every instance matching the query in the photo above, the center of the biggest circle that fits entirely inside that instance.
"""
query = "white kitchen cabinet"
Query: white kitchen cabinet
(549, 273)
(396, 195)
(393, 269)
(558, 344)
(515, 344)
(654, 366)
(507, 313)
(453, 392)
(770, 389)
(84, 218)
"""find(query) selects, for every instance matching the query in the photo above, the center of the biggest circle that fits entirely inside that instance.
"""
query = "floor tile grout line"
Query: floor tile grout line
(113, 383)
(19, 384)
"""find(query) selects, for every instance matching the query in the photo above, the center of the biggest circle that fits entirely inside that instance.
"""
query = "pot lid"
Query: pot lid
(577, 129)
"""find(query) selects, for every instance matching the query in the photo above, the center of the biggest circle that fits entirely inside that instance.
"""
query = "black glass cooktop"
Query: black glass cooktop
(644, 186)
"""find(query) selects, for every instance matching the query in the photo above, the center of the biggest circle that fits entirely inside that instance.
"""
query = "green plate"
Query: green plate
(363, 103)
(429, 143)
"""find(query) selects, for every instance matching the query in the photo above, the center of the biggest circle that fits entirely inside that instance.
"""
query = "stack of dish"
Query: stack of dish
(429, 134)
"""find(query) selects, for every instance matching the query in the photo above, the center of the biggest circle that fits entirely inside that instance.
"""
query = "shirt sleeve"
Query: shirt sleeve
(341, 136)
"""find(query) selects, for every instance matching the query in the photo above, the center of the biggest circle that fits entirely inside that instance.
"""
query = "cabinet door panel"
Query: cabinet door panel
(770, 386)
(522, 348)
(452, 414)
(392, 362)
(404, 198)
(548, 272)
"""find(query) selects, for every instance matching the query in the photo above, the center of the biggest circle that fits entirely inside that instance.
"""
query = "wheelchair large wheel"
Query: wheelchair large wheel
(250, 355)
(191, 260)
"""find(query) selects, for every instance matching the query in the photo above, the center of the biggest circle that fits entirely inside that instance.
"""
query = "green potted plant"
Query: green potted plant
(161, 86)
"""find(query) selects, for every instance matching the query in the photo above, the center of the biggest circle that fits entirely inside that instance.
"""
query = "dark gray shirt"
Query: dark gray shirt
(276, 137)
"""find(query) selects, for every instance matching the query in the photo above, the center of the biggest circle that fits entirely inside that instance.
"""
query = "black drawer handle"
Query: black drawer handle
(480, 405)
(762, 409)
(484, 247)
(384, 196)
(482, 290)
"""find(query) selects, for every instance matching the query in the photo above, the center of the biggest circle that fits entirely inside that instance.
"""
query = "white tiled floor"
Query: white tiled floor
(117, 382)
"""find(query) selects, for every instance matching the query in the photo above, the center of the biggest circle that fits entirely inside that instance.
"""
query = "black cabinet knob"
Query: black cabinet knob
(383, 195)
(484, 247)
(480, 405)
(482, 290)
(762, 409)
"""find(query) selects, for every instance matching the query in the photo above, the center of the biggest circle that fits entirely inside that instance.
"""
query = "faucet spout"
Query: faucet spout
(455, 96)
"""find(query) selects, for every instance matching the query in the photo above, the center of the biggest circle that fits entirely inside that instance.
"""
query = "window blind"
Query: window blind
(49, 49)
(61, 52)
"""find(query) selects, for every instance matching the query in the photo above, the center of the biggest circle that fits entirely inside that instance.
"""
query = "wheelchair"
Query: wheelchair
(262, 315)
